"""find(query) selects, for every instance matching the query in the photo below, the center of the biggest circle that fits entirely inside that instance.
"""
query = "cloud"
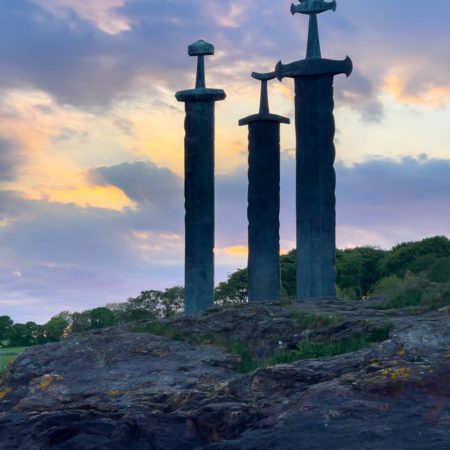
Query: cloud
(76, 258)
(398, 200)
(141, 181)
(228, 15)
(360, 93)
(94, 54)
(70, 257)
(417, 93)
(10, 159)
(91, 85)
(101, 13)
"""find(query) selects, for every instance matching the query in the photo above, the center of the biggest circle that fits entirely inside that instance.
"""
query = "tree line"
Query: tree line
(147, 305)
(361, 272)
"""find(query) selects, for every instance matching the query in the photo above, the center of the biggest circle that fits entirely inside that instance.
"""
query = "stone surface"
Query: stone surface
(199, 185)
(113, 389)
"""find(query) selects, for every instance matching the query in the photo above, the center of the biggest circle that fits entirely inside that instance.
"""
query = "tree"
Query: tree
(234, 290)
(23, 335)
(358, 269)
(288, 266)
(6, 324)
(172, 301)
(147, 305)
(54, 328)
(101, 317)
(415, 257)
(81, 322)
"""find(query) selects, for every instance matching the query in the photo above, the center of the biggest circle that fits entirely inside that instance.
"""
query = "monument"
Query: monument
(315, 156)
(263, 199)
(199, 185)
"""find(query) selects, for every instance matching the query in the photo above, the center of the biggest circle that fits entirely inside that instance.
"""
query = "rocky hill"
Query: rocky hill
(323, 375)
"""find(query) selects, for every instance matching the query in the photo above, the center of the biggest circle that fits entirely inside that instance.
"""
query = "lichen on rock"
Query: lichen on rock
(176, 384)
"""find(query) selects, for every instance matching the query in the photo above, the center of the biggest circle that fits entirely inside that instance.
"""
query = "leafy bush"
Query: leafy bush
(358, 270)
(391, 286)
(412, 291)
(440, 271)
(415, 257)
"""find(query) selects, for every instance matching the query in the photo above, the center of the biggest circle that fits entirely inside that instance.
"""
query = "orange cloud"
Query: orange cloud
(433, 96)
(236, 250)
(108, 197)
(56, 142)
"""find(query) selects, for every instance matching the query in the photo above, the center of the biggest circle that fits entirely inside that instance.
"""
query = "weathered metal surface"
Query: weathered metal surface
(316, 184)
(315, 153)
(313, 7)
(264, 199)
(199, 186)
(312, 67)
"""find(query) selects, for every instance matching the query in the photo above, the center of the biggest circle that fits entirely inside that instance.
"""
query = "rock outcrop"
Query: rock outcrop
(174, 384)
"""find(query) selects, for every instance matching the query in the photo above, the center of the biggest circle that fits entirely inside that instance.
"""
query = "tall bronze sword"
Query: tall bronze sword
(199, 186)
(316, 178)
(263, 198)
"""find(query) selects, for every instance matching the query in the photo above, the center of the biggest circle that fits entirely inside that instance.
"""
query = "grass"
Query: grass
(305, 349)
(418, 299)
(409, 298)
(309, 350)
(415, 292)
(7, 356)
(310, 321)
(229, 345)
(161, 329)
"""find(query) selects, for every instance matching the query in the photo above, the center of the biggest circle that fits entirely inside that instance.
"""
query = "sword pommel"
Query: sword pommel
(200, 48)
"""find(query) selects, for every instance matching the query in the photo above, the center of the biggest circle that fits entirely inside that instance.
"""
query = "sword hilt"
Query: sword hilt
(200, 49)
(264, 101)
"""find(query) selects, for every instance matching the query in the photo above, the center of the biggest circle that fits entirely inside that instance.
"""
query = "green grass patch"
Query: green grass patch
(416, 292)
(246, 364)
(310, 321)
(408, 298)
(305, 349)
(430, 298)
(310, 350)
(162, 329)
(8, 355)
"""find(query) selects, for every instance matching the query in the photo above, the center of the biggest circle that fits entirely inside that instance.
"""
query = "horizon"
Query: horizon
(91, 136)
(106, 304)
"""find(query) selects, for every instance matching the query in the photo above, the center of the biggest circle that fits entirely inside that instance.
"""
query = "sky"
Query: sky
(91, 135)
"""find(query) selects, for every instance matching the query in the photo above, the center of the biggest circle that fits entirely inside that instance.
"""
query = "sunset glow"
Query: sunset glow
(91, 136)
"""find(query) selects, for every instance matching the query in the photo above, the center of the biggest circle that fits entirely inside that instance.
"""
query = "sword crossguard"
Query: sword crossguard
(264, 76)
(313, 7)
(311, 67)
